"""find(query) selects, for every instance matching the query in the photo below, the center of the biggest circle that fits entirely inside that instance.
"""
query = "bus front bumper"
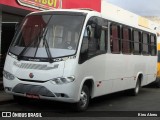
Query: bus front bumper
(47, 91)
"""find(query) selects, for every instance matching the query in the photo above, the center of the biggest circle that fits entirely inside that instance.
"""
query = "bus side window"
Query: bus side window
(153, 45)
(126, 40)
(145, 44)
(102, 42)
(91, 46)
(137, 42)
(115, 38)
(84, 47)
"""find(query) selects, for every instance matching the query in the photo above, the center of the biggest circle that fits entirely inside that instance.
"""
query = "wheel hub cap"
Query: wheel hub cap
(83, 99)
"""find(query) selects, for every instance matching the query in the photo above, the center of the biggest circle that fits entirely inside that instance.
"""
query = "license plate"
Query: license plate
(33, 96)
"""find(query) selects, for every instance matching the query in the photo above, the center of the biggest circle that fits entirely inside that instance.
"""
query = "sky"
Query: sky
(141, 7)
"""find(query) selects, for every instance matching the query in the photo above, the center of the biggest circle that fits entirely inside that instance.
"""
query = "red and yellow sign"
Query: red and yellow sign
(41, 4)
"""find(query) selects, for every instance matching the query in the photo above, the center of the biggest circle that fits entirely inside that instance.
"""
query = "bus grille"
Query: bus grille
(32, 89)
(33, 66)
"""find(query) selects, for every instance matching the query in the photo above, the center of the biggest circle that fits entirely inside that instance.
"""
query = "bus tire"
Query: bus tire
(83, 103)
(135, 91)
(157, 82)
(19, 99)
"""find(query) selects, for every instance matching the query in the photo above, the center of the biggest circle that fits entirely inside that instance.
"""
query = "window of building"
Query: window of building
(115, 38)
(126, 40)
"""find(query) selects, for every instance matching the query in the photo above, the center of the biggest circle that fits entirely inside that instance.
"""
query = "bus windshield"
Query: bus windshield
(47, 36)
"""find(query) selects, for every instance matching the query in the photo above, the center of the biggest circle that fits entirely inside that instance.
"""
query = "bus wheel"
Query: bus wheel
(82, 105)
(157, 82)
(136, 90)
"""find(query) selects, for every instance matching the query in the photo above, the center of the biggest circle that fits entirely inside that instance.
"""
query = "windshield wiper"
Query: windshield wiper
(40, 36)
(25, 48)
(47, 46)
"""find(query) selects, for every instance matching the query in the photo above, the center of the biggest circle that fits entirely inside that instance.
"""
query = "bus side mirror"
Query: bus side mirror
(97, 32)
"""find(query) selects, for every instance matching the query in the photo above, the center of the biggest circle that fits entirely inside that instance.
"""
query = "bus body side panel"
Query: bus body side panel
(117, 72)
(152, 63)
(95, 69)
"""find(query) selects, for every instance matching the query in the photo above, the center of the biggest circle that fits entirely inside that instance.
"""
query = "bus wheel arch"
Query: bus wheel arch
(90, 84)
(136, 89)
(140, 77)
(84, 95)
(138, 84)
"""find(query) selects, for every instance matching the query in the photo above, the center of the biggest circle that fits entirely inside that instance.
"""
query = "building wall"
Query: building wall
(154, 18)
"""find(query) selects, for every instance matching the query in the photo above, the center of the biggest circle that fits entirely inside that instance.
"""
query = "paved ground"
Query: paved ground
(148, 101)
(5, 98)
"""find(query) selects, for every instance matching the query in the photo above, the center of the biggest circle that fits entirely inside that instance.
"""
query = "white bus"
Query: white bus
(74, 55)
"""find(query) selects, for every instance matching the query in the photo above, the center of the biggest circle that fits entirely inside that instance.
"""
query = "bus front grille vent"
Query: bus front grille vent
(32, 89)
(33, 66)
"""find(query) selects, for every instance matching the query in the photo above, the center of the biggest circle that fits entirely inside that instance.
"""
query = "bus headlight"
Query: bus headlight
(8, 75)
(62, 80)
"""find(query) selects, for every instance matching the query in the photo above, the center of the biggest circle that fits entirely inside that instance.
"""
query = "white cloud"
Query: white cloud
(141, 7)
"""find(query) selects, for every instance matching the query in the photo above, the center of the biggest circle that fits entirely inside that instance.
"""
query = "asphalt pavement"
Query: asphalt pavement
(1, 85)
(117, 104)
(4, 97)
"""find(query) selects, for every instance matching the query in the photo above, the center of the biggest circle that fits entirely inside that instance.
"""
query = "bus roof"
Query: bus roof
(116, 14)
(120, 15)
(82, 10)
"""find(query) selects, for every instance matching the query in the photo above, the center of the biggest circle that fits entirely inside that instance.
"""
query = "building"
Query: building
(154, 18)
(11, 12)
